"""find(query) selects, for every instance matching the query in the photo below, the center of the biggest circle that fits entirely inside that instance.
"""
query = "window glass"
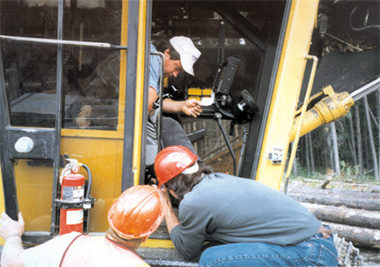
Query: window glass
(90, 79)
(248, 31)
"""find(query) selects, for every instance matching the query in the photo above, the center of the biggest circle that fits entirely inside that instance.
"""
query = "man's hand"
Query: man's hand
(192, 107)
(170, 218)
(9, 227)
(11, 231)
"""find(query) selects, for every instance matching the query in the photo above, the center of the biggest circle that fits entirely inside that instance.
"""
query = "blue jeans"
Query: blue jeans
(314, 251)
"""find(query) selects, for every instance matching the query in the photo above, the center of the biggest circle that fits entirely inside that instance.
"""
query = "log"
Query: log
(347, 216)
(371, 194)
(374, 189)
(359, 236)
(338, 200)
(325, 183)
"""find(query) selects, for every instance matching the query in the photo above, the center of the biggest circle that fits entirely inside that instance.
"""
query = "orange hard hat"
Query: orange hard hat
(172, 161)
(136, 213)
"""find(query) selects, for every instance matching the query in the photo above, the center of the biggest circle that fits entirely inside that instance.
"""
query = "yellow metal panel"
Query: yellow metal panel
(194, 91)
(195, 97)
(287, 88)
(94, 133)
(199, 91)
(207, 92)
(158, 243)
(139, 91)
(104, 158)
(34, 185)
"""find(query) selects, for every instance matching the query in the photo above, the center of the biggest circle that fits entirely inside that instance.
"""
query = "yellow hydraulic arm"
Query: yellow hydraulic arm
(330, 108)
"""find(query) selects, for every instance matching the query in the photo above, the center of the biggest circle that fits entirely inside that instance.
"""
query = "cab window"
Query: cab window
(90, 79)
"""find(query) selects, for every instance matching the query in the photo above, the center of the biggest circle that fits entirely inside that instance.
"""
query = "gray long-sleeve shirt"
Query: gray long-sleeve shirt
(229, 209)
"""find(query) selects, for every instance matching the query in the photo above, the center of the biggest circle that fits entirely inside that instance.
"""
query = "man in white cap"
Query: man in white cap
(180, 54)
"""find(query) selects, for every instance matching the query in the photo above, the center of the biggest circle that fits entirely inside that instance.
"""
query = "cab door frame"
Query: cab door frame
(135, 30)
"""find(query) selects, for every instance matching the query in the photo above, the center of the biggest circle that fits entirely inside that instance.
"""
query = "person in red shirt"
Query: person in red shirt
(132, 218)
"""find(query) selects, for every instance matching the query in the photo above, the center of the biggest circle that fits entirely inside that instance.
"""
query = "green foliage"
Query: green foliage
(349, 174)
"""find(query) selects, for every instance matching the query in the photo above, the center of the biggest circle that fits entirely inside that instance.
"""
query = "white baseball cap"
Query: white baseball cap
(187, 51)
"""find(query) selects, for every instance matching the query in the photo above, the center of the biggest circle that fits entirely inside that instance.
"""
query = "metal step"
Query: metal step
(163, 257)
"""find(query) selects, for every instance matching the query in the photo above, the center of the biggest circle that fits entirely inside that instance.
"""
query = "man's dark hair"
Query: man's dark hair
(184, 183)
(162, 44)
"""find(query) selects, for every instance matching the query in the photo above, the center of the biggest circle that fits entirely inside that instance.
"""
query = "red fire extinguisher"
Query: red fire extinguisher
(72, 190)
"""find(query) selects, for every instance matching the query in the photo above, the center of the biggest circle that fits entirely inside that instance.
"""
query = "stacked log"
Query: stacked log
(353, 215)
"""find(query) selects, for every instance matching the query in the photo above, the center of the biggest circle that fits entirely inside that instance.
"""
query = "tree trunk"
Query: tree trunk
(359, 236)
(366, 149)
(378, 123)
(307, 152)
(371, 140)
(311, 152)
(353, 144)
(330, 149)
(359, 138)
(347, 216)
(295, 165)
(326, 155)
(335, 147)
(373, 119)
(295, 169)
(335, 199)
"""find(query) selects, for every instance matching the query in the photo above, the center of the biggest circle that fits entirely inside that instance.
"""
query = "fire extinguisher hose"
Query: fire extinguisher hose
(88, 191)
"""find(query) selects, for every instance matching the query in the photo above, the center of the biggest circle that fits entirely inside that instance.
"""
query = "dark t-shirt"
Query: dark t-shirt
(230, 209)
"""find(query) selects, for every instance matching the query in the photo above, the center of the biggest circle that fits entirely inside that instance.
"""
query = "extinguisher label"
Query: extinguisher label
(72, 192)
(74, 217)
(78, 192)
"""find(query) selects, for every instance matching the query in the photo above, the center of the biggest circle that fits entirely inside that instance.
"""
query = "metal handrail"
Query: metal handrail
(303, 111)
(62, 42)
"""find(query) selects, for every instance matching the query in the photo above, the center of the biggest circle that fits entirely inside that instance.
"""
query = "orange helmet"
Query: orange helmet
(172, 161)
(136, 213)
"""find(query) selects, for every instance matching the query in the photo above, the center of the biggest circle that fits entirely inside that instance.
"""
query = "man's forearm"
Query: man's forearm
(172, 106)
(11, 253)
(171, 221)
(170, 218)
(152, 97)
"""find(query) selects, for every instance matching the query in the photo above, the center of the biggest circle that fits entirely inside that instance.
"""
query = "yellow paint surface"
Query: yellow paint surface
(287, 89)
(158, 243)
